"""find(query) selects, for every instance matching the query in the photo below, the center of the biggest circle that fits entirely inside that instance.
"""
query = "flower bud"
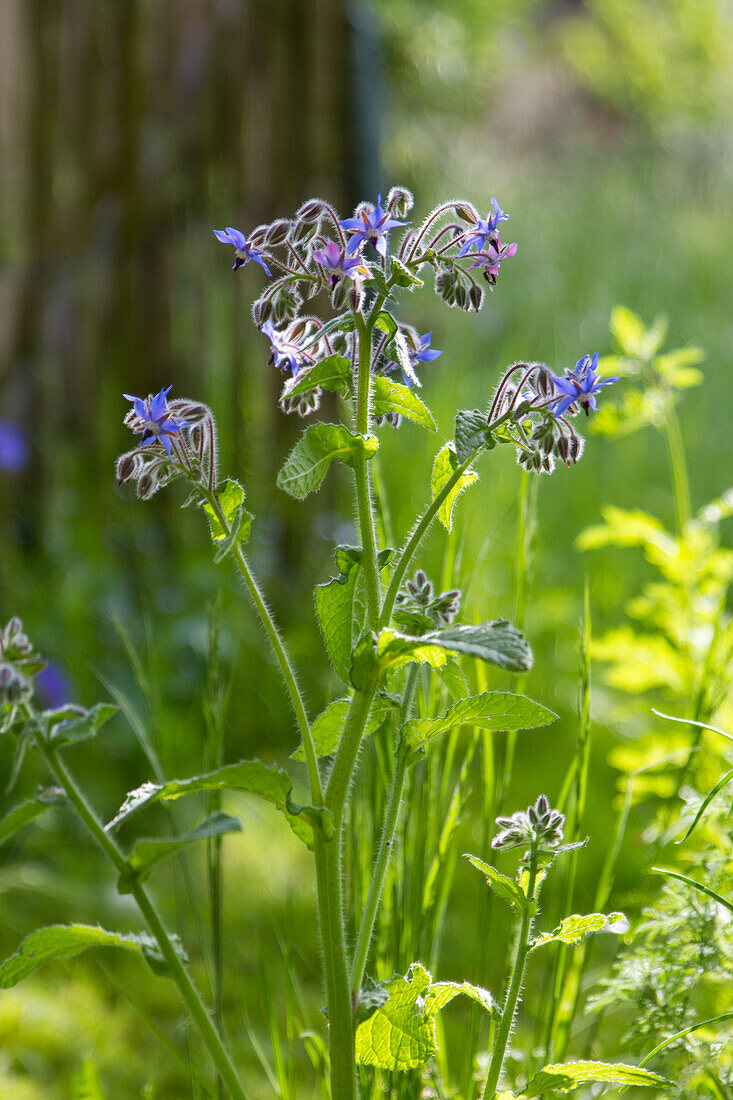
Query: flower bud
(301, 231)
(400, 202)
(460, 296)
(467, 213)
(303, 404)
(543, 382)
(257, 236)
(476, 296)
(339, 293)
(277, 232)
(562, 448)
(356, 297)
(262, 310)
(127, 466)
(311, 210)
(286, 303)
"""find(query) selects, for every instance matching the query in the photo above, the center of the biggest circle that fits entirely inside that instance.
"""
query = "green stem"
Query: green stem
(385, 849)
(678, 463)
(415, 538)
(280, 651)
(361, 475)
(178, 972)
(510, 1007)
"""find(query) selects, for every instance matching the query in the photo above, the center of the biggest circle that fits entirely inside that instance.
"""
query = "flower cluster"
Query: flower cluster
(418, 610)
(178, 437)
(18, 663)
(539, 827)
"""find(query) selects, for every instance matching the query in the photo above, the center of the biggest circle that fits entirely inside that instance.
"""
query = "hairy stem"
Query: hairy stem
(361, 475)
(515, 985)
(415, 539)
(178, 972)
(385, 848)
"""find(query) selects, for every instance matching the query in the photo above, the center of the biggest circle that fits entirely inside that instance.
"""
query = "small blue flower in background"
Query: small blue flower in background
(14, 449)
(372, 227)
(423, 353)
(154, 422)
(334, 260)
(490, 259)
(579, 386)
(284, 355)
(244, 252)
(53, 687)
(486, 230)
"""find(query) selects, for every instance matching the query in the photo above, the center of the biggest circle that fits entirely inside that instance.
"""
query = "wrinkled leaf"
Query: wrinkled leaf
(470, 434)
(393, 397)
(230, 495)
(494, 710)
(498, 642)
(24, 812)
(248, 776)
(63, 941)
(341, 608)
(442, 472)
(442, 993)
(147, 851)
(82, 729)
(565, 1078)
(403, 276)
(503, 886)
(331, 373)
(328, 726)
(398, 1035)
(575, 928)
(307, 464)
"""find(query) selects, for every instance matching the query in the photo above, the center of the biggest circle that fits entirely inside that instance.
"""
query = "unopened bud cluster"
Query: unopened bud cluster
(419, 610)
(179, 439)
(18, 663)
(538, 827)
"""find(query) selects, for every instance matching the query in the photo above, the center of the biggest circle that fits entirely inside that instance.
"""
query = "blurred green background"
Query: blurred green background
(128, 130)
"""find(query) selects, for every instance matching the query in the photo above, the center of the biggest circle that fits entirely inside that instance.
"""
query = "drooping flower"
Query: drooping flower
(370, 226)
(485, 231)
(423, 353)
(337, 264)
(419, 351)
(283, 354)
(152, 419)
(492, 256)
(243, 251)
(579, 386)
(14, 450)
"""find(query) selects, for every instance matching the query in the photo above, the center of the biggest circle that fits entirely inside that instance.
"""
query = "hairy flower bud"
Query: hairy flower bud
(543, 382)
(127, 466)
(339, 293)
(460, 296)
(467, 213)
(303, 404)
(286, 303)
(356, 297)
(400, 201)
(476, 297)
(311, 210)
(257, 236)
(262, 310)
(277, 232)
(301, 231)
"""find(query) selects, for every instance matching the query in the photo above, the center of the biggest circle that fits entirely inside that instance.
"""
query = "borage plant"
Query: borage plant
(377, 626)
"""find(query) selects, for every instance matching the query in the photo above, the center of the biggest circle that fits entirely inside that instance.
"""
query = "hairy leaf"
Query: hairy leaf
(494, 710)
(307, 464)
(328, 726)
(403, 276)
(63, 941)
(503, 886)
(442, 993)
(575, 928)
(25, 811)
(470, 434)
(399, 1035)
(454, 679)
(565, 1078)
(393, 397)
(331, 373)
(341, 608)
(386, 322)
(82, 729)
(443, 470)
(230, 495)
(147, 851)
(249, 776)
(498, 642)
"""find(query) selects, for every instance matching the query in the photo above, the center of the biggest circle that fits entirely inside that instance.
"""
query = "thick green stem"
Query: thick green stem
(178, 972)
(415, 538)
(515, 985)
(361, 476)
(385, 849)
(280, 651)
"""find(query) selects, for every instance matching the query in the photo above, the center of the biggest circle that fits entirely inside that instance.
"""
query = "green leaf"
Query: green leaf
(341, 608)
(493, 710)
(471, 433)
(85, 1084)
(632, 335)
(147, 851)
(443, 470)
(566, 1077)
(503, 886)
(575, 928)
(230, 495)
(392, 396)
(679, 367)
(403, 276)
(82, 729)
(399, 1035)
(331, 373)
(498, 642)
(442, 993)
(63, 941)
(386, 323)
(328, 726)
(249, 776)
(26, 811)
(344, 323)
(454, 679)
(307, 464)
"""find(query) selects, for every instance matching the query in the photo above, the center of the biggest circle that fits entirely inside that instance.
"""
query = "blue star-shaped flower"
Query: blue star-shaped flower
(156, 423)
(423, 353)
(372, 227)
(243, 252)
(486, 230)
(283, 354)
(579, 386)
(336, 261)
